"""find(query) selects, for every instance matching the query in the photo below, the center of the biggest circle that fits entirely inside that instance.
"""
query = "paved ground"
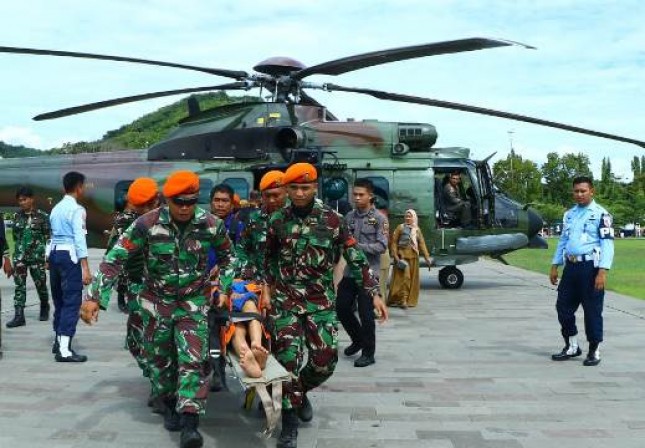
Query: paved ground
(466, 369)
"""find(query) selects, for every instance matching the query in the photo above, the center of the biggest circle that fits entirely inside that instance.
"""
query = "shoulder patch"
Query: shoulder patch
(606, 229)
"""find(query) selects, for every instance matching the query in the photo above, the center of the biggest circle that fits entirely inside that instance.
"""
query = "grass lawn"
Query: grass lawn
(627, 275)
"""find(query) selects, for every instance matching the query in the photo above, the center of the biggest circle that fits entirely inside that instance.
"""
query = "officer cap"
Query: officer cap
(300, 173)
(272, 179)
(142, 190)
(181, 182)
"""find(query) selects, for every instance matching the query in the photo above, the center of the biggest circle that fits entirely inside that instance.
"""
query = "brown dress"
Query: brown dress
(404, 288)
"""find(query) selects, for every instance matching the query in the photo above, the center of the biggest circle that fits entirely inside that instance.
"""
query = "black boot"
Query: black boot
(171, 419)
(44, 310)
(289, 434)
(120, 298)
(19, 319)
(190, 437)
(73, 357)
(593, 357)
(567, 352)
(55, 345)
(305, 411)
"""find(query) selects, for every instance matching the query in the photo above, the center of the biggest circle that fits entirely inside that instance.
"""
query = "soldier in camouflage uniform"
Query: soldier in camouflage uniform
(251, 247)
(304, 239)
(31, 230)
(122, 220)
(175, 240)
(142, 197)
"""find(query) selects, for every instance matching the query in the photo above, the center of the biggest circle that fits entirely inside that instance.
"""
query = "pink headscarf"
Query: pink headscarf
(414, 228)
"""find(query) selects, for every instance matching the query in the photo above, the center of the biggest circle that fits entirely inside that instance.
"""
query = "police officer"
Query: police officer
(369, 228)
(31, 232)
(175, 240)
(586, 248)
(68, 266)
(304, 240)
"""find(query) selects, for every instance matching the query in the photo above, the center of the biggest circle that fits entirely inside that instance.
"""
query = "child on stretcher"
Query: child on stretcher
(247, 337)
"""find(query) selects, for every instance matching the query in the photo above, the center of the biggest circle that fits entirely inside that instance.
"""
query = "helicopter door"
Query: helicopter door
(487, 197)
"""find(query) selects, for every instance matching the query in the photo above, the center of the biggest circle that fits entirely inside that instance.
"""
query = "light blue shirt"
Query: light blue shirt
(585, 230)
(68, 225)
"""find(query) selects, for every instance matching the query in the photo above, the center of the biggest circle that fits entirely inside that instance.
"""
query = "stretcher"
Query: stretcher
(268, 387)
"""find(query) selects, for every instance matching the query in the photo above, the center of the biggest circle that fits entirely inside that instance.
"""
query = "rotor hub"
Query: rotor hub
(279, 66)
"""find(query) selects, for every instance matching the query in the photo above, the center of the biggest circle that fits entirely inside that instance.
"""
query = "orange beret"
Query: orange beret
(142, 190)
(272, 179)
(300, 173)
(236, 199)
(181, 182)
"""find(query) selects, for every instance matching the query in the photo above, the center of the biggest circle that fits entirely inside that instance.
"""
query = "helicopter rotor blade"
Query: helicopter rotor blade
(359, 61)
(480, 110)
(235, 74)
(130, 99)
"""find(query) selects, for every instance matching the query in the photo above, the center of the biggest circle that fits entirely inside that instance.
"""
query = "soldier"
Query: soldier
(122, 220)
(251, 248)
(304, 239)
(586, 248)
(31, 232)
(68, 266)
(175, 240)
(142, 197)
(369, 228)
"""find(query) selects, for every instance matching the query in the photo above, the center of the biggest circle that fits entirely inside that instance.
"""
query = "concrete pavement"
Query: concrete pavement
(466, 369)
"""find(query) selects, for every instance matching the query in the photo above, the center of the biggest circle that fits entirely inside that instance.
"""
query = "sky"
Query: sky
(588, 69)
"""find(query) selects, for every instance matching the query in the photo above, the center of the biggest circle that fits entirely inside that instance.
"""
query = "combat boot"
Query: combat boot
(593, 357)
(44, 311)
(570, 350)
(190, 436)
(305, 411)
(289, 433)
(19, 319)
(171, 419)
(65, 353)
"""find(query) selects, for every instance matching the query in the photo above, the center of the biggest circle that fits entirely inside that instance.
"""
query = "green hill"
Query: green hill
(141, 133)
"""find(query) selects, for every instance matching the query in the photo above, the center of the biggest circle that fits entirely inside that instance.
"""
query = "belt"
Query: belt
(579, 258)
(63, 247)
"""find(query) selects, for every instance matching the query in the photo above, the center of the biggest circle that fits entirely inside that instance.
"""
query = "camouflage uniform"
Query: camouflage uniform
(30, 234)
(130, 279)
(174, 297)
(249, 263)
(300, 257)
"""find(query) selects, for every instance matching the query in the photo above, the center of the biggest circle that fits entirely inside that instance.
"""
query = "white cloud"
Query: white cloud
(17, 136)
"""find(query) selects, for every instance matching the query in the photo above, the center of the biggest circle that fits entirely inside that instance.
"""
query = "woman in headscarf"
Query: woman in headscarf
(405, 245)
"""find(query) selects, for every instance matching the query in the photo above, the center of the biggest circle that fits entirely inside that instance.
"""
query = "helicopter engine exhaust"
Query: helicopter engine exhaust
(290, 138)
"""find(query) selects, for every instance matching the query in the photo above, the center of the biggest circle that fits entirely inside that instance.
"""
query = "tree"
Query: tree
(558, 172)
(518, 178)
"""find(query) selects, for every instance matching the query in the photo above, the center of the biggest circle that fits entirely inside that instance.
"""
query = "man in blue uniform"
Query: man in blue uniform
(68, 266)
(369, 228)
(586, 249)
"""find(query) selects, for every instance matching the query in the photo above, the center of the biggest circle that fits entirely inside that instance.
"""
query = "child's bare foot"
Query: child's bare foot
(249, 365)
(261, 354)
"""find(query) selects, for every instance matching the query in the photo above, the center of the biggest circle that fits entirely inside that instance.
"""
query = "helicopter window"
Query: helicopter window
(205, 186)
(120, 193)
(239, 185)
(381, 191)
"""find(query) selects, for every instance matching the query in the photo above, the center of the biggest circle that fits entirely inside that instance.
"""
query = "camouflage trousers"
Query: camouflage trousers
(318, 332)
(134, 337)
(177, 343)
(39, 276)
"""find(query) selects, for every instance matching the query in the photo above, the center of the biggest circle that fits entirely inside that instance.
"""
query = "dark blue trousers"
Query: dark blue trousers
(66, 282)
(362, 333)
(577, 288)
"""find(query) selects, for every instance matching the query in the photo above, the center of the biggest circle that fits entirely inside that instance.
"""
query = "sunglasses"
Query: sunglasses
(185, 200)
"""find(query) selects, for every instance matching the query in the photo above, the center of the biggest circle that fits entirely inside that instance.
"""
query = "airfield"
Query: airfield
(465, 369)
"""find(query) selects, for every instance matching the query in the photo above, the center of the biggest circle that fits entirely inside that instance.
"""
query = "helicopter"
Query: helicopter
(237, 143)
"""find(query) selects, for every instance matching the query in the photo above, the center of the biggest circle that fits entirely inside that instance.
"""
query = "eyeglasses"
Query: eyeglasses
(185, 200)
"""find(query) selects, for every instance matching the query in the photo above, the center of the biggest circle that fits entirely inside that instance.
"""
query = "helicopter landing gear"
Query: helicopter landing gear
(451, 278)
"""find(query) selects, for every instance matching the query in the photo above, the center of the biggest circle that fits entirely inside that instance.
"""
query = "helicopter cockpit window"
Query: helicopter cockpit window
(239, 186)
(506, 215)
(205, 186)
(120, 194)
